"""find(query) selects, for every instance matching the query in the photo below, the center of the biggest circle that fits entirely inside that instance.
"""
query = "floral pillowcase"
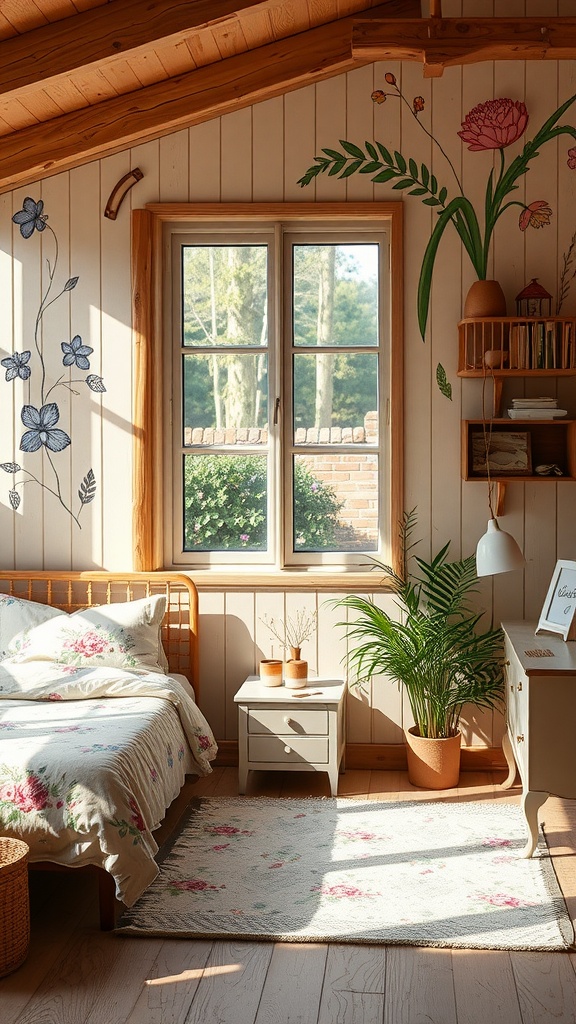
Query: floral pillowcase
(17, 615)
(124, 635)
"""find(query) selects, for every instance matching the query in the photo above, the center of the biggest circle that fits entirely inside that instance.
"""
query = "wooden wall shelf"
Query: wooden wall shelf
(552, 442)
(517, 347)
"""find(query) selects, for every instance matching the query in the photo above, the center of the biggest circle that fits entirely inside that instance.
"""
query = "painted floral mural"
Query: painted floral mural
(492, 125)
(41, 414)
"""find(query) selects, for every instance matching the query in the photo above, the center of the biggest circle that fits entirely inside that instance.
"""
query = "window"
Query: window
(281, 387)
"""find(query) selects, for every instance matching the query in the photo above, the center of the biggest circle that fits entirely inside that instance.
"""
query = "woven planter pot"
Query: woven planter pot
(14, 904)
(433, 764)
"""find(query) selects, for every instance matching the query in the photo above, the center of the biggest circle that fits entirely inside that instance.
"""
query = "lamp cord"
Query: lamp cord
(487, 433)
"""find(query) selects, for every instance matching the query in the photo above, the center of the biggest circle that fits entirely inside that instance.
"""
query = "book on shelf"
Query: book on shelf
(530, 413)
(533, 402)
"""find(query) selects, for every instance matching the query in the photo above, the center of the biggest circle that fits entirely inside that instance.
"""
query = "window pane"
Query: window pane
(225, 502)
(225, 398)
(336, 398)
(224, 295)
(336, 502)
(335, 294)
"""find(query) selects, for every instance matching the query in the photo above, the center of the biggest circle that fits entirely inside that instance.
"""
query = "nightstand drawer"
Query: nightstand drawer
(300, 721)
(288, 749)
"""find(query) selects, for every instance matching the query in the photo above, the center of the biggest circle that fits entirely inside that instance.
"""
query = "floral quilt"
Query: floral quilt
(89, 761)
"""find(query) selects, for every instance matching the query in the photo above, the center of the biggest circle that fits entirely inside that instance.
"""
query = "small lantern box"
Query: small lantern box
(533, 300)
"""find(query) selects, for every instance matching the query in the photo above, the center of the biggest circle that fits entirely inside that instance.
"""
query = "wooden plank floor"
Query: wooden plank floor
(76, 974)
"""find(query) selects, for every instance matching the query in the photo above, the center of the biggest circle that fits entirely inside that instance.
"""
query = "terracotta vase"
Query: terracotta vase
(485, 298)
(295, 670)
(271, 672)
(433, 764)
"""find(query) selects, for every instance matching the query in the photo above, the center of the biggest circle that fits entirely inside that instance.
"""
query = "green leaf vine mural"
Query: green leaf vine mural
(492, 125)
(32, 367)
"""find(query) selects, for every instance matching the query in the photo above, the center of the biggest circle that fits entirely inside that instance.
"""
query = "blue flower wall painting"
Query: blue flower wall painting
(41, 414)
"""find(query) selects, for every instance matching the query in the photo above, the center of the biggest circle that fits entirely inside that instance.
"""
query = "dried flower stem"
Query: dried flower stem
(292, 632)
(567, 274)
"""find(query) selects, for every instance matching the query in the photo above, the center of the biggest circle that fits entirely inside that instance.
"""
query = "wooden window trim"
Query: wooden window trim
(148, 489)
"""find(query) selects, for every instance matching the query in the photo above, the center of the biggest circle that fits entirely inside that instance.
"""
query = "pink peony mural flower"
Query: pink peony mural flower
(494, 124)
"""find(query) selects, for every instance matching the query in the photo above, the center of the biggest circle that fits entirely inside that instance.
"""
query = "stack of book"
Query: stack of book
(535, 409)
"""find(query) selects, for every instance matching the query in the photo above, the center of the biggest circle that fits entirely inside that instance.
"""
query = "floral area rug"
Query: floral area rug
(341, 870)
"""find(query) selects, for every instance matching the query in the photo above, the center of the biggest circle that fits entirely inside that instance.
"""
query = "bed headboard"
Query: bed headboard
(73, 590)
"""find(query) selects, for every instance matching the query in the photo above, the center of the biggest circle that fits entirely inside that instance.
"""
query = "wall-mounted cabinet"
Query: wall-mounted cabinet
(515, 448)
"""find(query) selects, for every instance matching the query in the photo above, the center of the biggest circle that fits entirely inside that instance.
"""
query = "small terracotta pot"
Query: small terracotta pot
(432, 763)
(271, 672)
(295, 673)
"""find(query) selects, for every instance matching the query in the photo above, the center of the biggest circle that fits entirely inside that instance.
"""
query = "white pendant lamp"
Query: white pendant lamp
(497, 551)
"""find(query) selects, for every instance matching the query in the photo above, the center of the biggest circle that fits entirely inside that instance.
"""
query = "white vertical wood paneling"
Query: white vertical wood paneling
(330, 128)
(211, 631)
(359, 126)
(268, 150)
(57, 326)
(258, 154)
(7, 407)
(236, 166)
(268, 605)
(419, 371)
(174, 182)
(330, 639)
(204, 162)
(299, 143)
(445, 311)
(239, 651)
(86, 320)
(115, 406)
(29, 522)
(147, 158)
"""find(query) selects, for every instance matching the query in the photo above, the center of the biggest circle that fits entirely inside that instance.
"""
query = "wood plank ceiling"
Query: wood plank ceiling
(80, 79)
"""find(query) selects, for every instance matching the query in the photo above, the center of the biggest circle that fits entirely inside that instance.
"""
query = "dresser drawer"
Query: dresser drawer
(300, 721)
(288, 749)
(516, 695)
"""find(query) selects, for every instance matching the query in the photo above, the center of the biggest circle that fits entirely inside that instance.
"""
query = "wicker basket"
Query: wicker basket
(14, 904)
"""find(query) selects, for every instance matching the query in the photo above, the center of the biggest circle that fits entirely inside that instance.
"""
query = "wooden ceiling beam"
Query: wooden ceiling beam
(118, 30)
(156, 110)
(447, 42)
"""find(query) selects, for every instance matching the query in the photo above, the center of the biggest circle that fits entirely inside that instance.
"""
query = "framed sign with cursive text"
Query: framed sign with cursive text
(559, 611)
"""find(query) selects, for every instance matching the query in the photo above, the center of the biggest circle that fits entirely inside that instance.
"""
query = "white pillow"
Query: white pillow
(124, 635)
(18, 614)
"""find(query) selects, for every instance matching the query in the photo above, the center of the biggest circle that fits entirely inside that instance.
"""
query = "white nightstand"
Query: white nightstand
(278, 731)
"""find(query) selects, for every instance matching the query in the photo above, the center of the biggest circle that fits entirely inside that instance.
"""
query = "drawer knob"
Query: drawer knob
(520, 739)
(511, 687)
(287, 720)
(287, 750)
(519, 687)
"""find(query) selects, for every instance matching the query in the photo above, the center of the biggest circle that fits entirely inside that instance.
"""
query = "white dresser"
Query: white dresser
(540, 738)
(281, 731)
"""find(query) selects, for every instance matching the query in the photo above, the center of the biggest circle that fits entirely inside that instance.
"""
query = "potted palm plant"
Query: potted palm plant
(436, 651)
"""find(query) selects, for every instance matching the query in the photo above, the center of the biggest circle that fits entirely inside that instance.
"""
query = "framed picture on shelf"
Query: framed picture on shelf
(559, 610)
(501, 453)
